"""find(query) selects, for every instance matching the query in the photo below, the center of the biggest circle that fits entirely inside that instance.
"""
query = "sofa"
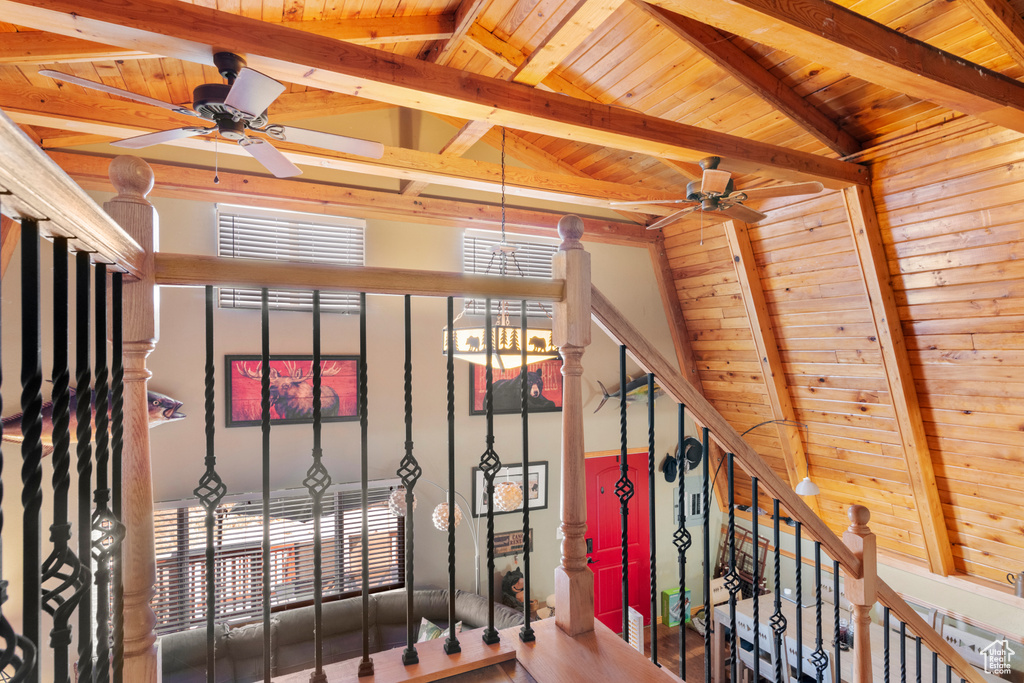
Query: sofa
(239, 649)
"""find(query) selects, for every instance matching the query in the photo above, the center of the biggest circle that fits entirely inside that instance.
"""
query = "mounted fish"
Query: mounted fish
(162, 409)
(635, 389)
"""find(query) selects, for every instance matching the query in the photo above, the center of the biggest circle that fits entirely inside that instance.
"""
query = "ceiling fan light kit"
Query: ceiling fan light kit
(236, 108)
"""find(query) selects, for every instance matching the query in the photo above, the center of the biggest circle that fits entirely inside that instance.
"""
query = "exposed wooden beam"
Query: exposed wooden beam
(296, 106)
(101, 116)
(465, 17)
(42, 47)
(767, 345)
(867, 238)
(184, 31)
(65, 140)
(582, 20)
(185, 182)
(826, 33)
(1003, 23)
(717, 47)
(10, 231)
(467, 136)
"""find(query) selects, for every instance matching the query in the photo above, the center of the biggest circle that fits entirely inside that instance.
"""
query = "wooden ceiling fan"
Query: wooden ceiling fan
(235, 108)
(715, 192)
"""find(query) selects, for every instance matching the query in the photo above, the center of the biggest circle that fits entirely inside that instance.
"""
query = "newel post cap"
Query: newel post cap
(570, 229)
(132, 177)
(859, 518)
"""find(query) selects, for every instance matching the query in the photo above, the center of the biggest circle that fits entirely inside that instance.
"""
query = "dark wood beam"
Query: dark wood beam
(716, 46)
(190, 32)
(1003, 22)
(465, 17)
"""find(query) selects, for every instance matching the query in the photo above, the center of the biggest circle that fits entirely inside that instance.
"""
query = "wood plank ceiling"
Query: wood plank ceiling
(893, 314)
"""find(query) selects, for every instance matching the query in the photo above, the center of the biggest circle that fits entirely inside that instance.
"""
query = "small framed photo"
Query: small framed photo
(291, 389)
(545, 387)
(535, 492)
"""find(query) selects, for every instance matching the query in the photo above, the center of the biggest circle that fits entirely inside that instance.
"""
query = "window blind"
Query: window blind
(245, 232)
(531, 259)
(180, 530)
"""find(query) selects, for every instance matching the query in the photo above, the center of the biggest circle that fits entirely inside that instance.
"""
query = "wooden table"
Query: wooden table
(789, 610)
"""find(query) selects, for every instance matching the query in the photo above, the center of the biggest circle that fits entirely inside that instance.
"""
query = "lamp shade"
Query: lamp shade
(396, 502)
(440, 516)
(507, 496)
(471, 345)
(807, 488)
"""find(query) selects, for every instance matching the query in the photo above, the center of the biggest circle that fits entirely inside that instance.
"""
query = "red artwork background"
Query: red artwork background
(551, 373)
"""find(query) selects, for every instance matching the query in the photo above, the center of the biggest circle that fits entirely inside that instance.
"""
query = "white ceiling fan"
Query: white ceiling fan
(235, 108)
(715, 192)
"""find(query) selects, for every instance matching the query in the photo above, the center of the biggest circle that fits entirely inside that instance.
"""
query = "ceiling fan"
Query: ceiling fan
(715, 192)
(235, 108)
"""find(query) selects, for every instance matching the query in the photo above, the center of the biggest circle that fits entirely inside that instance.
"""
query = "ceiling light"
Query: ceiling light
(807, 488)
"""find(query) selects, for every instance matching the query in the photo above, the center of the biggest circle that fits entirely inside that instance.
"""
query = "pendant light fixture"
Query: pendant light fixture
(507, 339)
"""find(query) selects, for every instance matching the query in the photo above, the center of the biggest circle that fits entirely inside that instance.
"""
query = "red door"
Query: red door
(604, 531)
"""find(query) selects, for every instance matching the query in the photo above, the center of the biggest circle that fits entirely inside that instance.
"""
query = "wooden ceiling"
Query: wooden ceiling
(885, 313)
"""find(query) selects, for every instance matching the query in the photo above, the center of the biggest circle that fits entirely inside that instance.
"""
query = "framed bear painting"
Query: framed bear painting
(545, 380)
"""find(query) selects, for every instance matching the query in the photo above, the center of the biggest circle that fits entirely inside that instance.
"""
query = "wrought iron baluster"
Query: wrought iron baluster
(365, 664)
(210, 492)
(624, 490)
(935, 667)
(903, 652)
(526, 632)
(265, 428)
(756, 588)
(409, 471)
(820, 657)
(490, 464)
(835, 625)
(778, 620)
(31, 445)
(83, 432)
(62, 566)
(706, 500)
(682, 540)
(732, 579)
(798, 587)
(451, 643)
(917, 663)
(652, 510)
(885, 644)
(116, 461)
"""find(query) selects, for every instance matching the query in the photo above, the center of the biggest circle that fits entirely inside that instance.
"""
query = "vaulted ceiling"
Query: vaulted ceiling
(885, 313)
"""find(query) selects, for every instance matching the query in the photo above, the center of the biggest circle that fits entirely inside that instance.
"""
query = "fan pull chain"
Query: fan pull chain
(216, 164)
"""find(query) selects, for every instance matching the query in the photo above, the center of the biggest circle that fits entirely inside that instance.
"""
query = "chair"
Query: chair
(806, 669)
(766, 641)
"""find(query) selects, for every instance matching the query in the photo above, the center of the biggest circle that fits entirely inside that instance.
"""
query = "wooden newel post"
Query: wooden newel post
(574, 582)
(861, 592)
(133, 179)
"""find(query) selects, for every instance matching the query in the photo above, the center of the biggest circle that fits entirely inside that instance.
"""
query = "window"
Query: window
(533, 259)
(180, 601)
(245, 232)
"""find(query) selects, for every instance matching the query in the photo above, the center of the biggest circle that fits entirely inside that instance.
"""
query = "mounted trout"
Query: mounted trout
(635, 389)
(162, 409)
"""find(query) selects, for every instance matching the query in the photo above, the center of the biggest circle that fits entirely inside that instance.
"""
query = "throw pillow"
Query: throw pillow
(429, 630)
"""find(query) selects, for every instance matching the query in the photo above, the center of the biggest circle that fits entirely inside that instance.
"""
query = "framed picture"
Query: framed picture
(291, 389)
(545, 380)
(536, 491)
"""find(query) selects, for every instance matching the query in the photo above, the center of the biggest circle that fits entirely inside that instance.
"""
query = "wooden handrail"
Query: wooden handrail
(195, 271)
(33, 186)
(675, 385)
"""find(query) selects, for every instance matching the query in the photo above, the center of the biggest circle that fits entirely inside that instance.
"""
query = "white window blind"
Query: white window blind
(180, 529)
(531, 259)
(249, 233)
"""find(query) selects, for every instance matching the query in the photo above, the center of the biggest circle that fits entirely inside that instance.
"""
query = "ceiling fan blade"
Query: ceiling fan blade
(783, 190)
(743, 213)
(93, 85)
(715, 182)
(252, 92)
(653, 201)
(337, 143)
(672, 218)
(270, 157)
(150, 139)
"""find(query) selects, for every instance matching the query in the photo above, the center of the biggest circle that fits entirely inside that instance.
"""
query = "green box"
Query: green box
(670, 607)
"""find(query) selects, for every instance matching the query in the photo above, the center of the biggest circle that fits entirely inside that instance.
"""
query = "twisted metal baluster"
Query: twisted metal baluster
(835, 622)
(265, 427)
(732, 579)
(31, 445)
(935, 667)
(778, 620)
(451, 643)
(526, 633)
(624, 490)
(409, 472)
(62, 565)
(317, 481)
(682, 540)
(365, 664)
(885, 644)
(903, 652)
(798, 586)
(83, 432)
(651, 514)
(210, 492)
(490, 464)
(117, 457)
(820, 657)
(705, 490)
(756, 590)
(917, 663)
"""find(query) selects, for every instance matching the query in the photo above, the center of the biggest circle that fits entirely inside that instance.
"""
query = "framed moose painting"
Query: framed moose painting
(291, 389)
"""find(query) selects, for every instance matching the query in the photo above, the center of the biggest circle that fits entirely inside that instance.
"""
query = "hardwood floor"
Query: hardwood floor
(668, 651)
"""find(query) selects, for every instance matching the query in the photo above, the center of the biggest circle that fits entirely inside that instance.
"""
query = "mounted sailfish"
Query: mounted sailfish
(162, 409)
(635, 389)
